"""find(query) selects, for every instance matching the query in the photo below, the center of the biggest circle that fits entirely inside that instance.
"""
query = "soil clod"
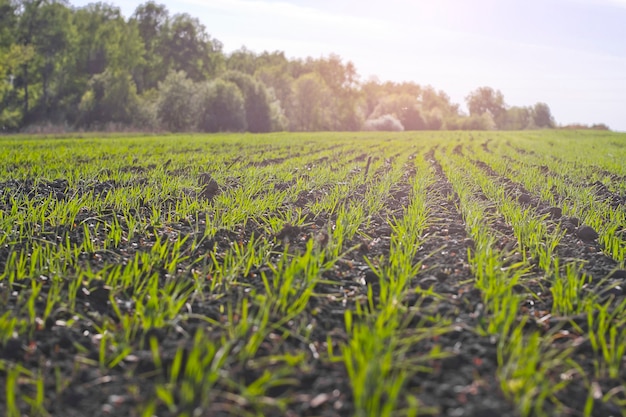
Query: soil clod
(586, 234)
(288, 232)
(210, 187)
(554, 213)
(524, 199)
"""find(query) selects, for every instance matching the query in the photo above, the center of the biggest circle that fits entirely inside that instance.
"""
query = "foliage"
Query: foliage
(189, 48)
(57, 62)
(484, 121)
(410, 279)
(277, 79)
(486, 99)
(152, 22)
(111, 97)
(542, 116)
(11, 60)
(386, 122)
(311, 104)
(579, 126)
(518, 118)
(403, 107)
(176, 109)
(258, 112)
(221, 107)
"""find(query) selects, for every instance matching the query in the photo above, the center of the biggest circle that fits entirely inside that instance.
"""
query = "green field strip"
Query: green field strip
(567, 286)
(375, 355)
(298, 287)
(528, 364)
(581, 173)
(603, 150)
(575, 201)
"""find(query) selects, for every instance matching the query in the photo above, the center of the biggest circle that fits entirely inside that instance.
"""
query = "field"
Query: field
(381, 274)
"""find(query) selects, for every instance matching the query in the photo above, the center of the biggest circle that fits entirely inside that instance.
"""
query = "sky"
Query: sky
(570, 54)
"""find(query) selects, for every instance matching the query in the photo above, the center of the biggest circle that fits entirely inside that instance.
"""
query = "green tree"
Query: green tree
(110, 98)
(342, 81)
(242, 60)
(403, 107)
(437, 108)
(105, 42)
(310, 110)
(47, 26)
(518, 118)
(277, 79)
(542, 116)
(433, 119)
(8, 23)
(486, 99)
(257, 101)
(271, 59)
(221, 107)
(279, 119)
(152, 21)
(12, 59)
(28, 12)
(371, 93)
(176, 109)
(189, 48)
(379, 98)
(478, 122)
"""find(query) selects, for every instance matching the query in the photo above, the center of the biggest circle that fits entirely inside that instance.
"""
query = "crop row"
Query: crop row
(327, 274)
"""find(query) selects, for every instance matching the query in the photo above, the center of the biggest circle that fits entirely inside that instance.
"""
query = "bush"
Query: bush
(453, 123)
(386, 122)
(146, 116)
(111, 97)
(221, 107)
(402, 107)
(257, 104)
(176, 107)
(434, 119)
(311, 107)
(478, 122)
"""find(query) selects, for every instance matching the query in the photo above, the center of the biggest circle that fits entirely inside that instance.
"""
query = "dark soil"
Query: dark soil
(580, 244)
(66, 346)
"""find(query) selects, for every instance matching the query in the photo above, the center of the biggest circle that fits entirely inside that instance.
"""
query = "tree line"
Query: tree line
(91, 68)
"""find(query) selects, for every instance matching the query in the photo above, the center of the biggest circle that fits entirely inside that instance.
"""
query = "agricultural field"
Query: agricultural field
(354, 274)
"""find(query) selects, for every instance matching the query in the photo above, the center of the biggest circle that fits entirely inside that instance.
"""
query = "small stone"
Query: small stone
(319, 400)
(117, 400)
(371, 277)
(13, 350)
(586, 233)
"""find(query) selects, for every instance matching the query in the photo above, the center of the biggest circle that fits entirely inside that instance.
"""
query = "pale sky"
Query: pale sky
(570, 54)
